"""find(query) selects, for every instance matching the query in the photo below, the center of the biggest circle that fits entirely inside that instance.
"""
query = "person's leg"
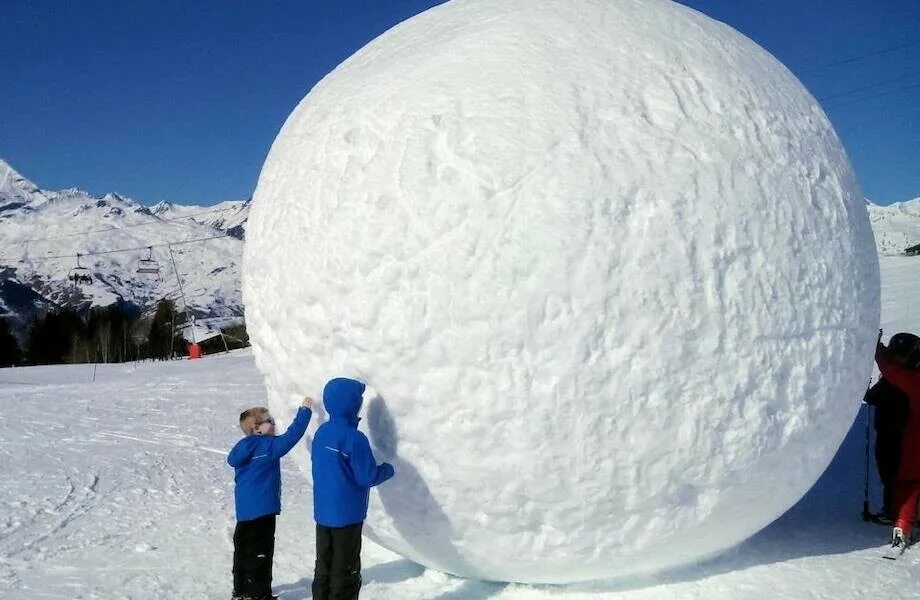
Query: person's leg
(243, 559)
(887, 457)
(263, 553)
(907, 493)
(888, 476)
(238, 560)
(888, 501)
(895, 468)
(323, 563)
(346, 562)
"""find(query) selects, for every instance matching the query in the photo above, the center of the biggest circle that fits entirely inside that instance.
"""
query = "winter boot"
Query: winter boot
(897, 538)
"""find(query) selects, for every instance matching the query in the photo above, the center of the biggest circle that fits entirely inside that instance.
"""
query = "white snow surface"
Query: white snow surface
(224, 216)
(119, 488)
(41, 231)
(604, 266)
(896, 226)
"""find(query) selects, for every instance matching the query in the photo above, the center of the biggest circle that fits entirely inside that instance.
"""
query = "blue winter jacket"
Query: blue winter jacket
(344, 468)
(257, 462)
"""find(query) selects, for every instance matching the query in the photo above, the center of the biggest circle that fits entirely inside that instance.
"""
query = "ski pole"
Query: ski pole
(866, 515)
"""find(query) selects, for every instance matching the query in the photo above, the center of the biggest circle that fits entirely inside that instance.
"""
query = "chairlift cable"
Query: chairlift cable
(860, 57)
(873, 96)
(869, 86)
(102, 252)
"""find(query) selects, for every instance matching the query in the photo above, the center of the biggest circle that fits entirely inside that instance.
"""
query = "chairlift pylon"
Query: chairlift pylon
(147, 265)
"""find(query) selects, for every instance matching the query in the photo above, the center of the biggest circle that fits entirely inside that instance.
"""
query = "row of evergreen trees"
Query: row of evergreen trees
(9, 348)
(109, 334)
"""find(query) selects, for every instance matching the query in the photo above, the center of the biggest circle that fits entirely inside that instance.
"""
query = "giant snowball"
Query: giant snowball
(603, 265)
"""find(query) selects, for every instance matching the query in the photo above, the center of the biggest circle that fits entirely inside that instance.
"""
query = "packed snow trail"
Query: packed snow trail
(119, 489)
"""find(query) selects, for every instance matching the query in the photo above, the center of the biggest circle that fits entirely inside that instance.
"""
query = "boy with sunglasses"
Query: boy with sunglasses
(256, 460)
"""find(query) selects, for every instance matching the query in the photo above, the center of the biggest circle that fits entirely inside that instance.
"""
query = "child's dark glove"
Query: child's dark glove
(388, 470)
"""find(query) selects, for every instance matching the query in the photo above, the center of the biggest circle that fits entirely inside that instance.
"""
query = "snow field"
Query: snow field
(119, 489)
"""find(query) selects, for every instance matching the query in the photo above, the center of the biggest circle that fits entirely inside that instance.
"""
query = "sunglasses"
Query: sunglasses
(269, 420)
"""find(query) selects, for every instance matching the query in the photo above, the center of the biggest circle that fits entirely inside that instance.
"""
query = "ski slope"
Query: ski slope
(118, 488)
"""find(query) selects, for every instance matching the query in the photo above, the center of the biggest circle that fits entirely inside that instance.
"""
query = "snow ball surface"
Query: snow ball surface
(604, 266)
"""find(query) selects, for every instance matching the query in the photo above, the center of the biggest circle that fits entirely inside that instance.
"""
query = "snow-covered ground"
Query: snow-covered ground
(118, 488)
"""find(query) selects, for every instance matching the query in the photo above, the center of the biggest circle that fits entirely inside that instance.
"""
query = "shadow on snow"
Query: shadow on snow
(826, 521)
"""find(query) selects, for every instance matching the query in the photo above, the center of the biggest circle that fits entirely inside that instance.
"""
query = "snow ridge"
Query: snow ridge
(896, 226)
(41, 232)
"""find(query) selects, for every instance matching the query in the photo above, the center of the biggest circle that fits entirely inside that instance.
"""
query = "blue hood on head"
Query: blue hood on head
(342, 398)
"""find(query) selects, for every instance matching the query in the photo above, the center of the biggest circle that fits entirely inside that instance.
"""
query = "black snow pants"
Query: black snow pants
(338, 563)
(888, 461)
(253, 553)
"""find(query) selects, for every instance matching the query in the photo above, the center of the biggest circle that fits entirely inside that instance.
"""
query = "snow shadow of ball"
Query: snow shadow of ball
(407, 499)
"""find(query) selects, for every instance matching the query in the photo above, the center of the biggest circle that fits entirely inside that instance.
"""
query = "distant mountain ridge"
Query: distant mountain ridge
(896, 226)
(42, 231)
(229, 216)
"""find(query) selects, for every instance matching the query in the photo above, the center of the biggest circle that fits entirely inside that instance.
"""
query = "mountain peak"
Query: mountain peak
(10, 177)
(163, 206)
(16, 189)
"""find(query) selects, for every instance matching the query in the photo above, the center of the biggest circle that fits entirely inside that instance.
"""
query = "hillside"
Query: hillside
(125, 250)
(896, 226)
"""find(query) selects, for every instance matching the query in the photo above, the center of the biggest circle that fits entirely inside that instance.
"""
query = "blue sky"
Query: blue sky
(181, 100)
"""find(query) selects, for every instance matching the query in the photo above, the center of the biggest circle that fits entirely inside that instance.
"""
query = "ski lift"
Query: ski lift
(80, 274)
(148, 265)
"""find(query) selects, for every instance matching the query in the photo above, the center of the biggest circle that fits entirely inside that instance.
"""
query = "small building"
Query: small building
(913, 251)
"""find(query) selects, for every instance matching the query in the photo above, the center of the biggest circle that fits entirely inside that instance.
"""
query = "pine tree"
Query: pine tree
(53, 338)
(162, 343)
(62, 336)
(10, 355)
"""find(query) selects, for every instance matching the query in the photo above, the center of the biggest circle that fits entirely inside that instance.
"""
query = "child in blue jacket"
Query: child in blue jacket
(256, 460)
(344, 470)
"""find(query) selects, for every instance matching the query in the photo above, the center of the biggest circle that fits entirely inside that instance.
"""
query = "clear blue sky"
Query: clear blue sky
(180, 100)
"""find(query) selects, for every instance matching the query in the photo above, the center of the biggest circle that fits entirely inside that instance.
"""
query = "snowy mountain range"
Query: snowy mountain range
(229, 216)
(124, 247)
(42, 231)
(896, 226)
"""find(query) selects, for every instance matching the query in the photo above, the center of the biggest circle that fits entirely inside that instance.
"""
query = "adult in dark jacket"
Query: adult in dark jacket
(344, 470)
(891, 413)
(901, 371)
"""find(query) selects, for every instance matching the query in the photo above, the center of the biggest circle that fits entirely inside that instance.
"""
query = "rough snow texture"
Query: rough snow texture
(604, 265)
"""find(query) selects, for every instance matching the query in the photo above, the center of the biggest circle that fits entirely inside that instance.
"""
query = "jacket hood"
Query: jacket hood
(342, 399)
